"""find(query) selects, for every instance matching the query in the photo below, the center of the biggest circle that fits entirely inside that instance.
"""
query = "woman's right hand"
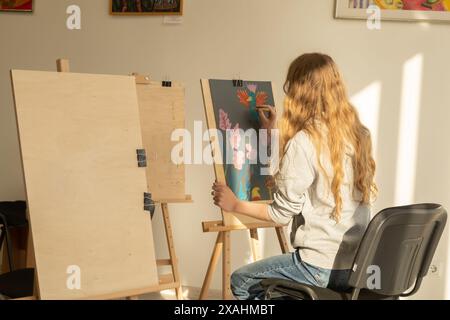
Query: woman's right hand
(268, 122)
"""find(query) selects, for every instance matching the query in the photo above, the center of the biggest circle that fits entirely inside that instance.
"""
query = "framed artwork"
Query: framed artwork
(403, 10)
(146, 7)
(16, 5)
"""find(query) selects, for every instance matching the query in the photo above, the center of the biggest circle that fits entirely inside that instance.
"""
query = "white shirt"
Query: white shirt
(304, 197)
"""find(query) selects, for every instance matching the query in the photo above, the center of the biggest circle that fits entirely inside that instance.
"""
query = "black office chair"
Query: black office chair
(12, 215)
(400, 241)
(16, 283)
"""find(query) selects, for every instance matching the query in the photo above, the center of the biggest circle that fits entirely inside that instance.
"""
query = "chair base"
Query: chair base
(288, 290)
(17, 284)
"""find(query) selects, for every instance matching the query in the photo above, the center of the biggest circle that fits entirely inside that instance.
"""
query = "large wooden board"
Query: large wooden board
(162, 112)
(78, 135)
(222, 102)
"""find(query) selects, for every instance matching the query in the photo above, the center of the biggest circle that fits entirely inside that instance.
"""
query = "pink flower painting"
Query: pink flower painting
(235, 143)
(224, 120)
(251, 153)
(238, 159)
(238, 121)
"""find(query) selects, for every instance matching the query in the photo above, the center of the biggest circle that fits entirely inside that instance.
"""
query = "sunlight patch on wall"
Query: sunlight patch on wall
(409, 130)
(262, 233)
(259, 247)
(367, 102)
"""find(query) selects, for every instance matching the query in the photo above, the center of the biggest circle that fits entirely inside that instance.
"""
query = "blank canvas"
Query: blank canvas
(162, 113)
(78, 135)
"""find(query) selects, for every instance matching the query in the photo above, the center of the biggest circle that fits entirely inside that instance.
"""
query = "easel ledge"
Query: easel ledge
(188, 199)
(218, 226)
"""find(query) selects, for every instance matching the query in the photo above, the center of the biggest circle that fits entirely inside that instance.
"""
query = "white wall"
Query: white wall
(255, 39)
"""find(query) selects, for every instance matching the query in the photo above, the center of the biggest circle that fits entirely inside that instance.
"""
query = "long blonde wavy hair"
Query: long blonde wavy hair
(316, 99)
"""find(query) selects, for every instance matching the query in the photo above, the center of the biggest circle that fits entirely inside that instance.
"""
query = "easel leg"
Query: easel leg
(218, 247)
(254, 240)
(226, 267)
(171, 246)
(282, 239)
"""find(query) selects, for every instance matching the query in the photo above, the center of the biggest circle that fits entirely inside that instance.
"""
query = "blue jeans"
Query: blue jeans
(245, 282)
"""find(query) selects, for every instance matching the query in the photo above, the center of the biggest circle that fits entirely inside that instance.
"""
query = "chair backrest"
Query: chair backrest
(399, 243)
(14, 212)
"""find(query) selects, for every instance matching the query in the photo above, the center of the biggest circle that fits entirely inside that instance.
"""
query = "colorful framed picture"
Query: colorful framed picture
(16, 5)
(403, 10)
(146, 7)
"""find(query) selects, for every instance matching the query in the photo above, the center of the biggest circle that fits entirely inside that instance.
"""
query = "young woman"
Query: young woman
(325, 182)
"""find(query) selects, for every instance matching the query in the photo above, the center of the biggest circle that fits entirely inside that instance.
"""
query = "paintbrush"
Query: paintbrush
(264, 108)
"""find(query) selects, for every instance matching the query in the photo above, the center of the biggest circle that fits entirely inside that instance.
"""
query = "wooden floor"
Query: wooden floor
(189, 293)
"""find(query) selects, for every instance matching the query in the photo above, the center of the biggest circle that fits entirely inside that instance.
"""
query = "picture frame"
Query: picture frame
(146, 7)
(16, 6)
(396, 10)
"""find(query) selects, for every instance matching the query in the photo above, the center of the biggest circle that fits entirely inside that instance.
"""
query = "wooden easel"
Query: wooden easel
(166, 281)
(223, 246)
(171, 280)
(156, 100)
(230, 221)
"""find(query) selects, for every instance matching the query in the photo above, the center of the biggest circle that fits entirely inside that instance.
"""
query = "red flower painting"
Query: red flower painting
(16, 5)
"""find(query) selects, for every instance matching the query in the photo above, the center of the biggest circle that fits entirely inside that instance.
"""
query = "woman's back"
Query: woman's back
(325, 182)
(321, 240)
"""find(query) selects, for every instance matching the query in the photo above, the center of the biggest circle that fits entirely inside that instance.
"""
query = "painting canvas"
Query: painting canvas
(237, 119)
(16, 5)
(407, 10)
(146, 7)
